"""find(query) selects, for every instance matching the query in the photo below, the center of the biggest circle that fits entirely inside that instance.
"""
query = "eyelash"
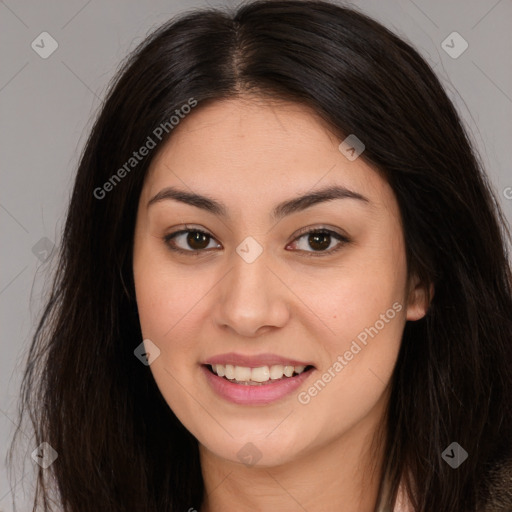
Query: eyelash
(342, 239)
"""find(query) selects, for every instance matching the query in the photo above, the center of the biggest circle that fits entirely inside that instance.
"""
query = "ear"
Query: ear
(418, 300)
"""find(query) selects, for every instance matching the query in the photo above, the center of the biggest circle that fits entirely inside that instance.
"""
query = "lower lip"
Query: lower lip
(254, 395)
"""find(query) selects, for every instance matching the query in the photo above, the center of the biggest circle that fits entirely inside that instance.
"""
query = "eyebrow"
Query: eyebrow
(281, 210)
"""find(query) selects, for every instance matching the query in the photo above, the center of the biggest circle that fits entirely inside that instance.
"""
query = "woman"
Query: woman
(283, 282)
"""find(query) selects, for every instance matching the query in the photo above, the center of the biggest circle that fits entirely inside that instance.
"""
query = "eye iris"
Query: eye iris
(319, 241)
(195, 237)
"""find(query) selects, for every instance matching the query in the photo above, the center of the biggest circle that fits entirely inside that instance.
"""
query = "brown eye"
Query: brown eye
(319, 241)
(197, 240)
(192, 241)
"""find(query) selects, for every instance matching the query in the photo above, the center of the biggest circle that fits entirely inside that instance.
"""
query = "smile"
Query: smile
(255, 386)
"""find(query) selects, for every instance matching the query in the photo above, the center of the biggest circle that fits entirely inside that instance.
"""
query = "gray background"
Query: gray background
(47, 106)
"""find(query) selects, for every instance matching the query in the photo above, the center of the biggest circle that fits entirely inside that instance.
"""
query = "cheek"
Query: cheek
(167, 294)
(353, 295)
(357, 362)
(362, 308)
(170, 306)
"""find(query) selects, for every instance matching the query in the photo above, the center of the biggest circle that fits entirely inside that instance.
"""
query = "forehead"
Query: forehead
(254, 151)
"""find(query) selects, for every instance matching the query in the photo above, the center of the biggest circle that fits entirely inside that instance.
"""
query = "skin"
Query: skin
(251, 154)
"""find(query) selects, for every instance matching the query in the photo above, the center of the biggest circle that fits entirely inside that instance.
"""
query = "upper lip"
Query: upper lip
(254, 361)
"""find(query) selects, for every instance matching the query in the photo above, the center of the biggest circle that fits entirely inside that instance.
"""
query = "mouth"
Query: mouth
(255, 386)
(259, 376)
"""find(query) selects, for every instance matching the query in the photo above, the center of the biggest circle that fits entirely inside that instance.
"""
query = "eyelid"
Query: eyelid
(318, 229)
(342, 239)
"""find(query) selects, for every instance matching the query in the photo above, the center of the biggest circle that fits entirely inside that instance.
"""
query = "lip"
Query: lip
(254, 395)
(254, 361)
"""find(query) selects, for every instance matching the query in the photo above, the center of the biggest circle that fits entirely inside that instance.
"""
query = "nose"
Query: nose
(252, 299)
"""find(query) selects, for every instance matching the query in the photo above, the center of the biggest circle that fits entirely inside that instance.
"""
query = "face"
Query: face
(253, 278)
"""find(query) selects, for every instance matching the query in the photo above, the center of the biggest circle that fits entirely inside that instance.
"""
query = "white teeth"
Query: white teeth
(276, 372)
(229, 371)
(260, 374)
(242, 373)
(288, 371)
